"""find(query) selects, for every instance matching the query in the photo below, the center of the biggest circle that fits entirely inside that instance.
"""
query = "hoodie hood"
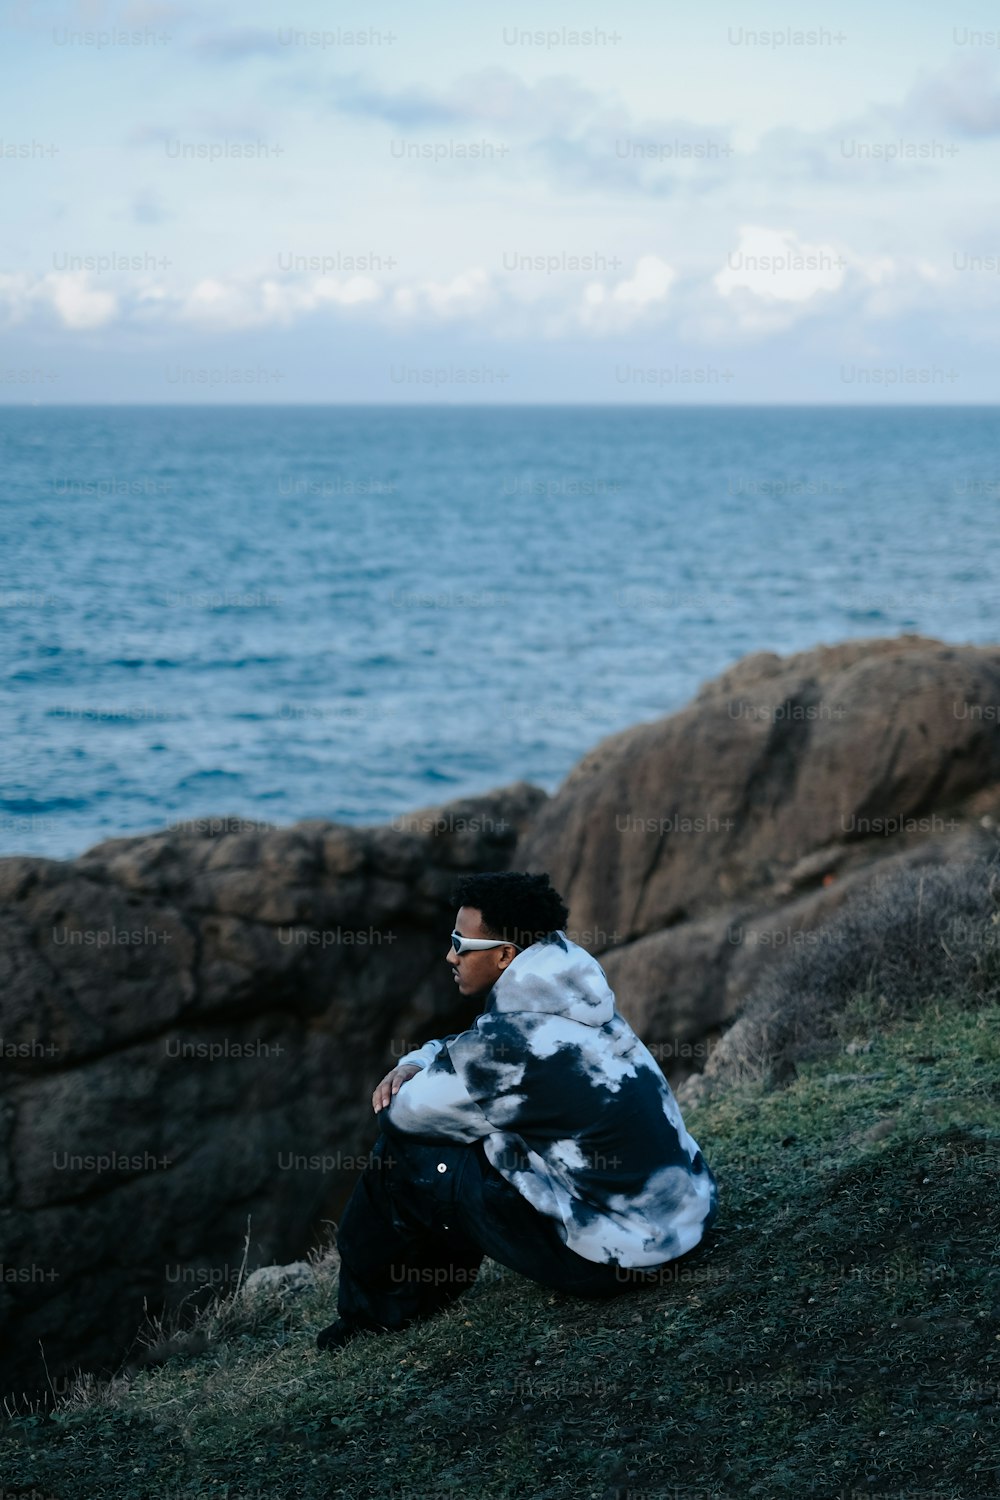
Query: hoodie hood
(555, 976)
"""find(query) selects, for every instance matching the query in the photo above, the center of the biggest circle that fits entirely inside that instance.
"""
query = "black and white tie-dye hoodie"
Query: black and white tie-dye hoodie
(572, 1108)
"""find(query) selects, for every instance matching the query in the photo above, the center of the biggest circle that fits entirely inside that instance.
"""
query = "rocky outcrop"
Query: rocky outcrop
(192, 1026)
(701, 847)
(193, 1021)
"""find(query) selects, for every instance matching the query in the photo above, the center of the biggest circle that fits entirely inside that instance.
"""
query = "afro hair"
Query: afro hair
(519, 907)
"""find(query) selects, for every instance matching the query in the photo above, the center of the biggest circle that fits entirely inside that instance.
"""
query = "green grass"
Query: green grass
(836, 1336)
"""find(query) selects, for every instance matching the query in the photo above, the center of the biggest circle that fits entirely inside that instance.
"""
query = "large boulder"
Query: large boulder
(703, 846)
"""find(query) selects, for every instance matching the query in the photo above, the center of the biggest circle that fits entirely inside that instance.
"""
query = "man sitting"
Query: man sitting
(545, 1136)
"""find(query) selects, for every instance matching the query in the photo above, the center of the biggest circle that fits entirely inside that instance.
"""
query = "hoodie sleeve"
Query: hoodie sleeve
(457, 1092)
(421, 1057)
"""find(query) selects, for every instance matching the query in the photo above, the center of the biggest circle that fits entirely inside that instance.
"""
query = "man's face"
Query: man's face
(476, 973)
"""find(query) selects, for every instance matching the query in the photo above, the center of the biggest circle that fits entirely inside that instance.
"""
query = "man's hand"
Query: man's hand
(391, 1084)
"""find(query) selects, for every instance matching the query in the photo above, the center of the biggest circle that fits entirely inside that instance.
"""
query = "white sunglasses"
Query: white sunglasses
(475, 945)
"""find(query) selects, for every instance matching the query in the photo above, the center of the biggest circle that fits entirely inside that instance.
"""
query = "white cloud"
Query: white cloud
(349, 293)
(466, 295)
(651, 282)
(494, 97)
(572, 136)
(280, 301)
(69, 294)
(774, 280)
(15, 296)
(611, 308)
(769, 283)
(212, 301)
(77, 303)
(776, 266)
(247, 303)
(882, 268)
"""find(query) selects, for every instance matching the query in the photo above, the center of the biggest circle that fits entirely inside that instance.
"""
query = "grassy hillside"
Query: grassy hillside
(837, 1336)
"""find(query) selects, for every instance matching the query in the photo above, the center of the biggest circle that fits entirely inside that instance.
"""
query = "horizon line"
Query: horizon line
(503, 405)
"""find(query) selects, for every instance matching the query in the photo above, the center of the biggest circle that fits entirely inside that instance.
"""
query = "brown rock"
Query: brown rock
(192, 1025)
(699, 848)
(775, 760)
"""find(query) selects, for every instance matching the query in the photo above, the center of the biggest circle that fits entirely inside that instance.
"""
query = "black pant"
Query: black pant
(420, 1220)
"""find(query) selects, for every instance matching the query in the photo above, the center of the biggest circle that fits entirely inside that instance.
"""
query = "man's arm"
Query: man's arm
(420, 1057)
(435, 1101)
(467, 1091)
(403, 1071)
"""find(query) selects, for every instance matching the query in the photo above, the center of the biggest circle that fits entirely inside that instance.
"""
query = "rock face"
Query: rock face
(192, 1022)
(192, 1025)
(700, 847)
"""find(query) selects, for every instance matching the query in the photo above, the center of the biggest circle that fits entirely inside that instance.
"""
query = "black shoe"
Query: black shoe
(336, 1335)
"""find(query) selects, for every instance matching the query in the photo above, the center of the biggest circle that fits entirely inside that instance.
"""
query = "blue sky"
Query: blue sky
(524, 203)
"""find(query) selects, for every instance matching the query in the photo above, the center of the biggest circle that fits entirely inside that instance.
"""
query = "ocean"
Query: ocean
(276, 613)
